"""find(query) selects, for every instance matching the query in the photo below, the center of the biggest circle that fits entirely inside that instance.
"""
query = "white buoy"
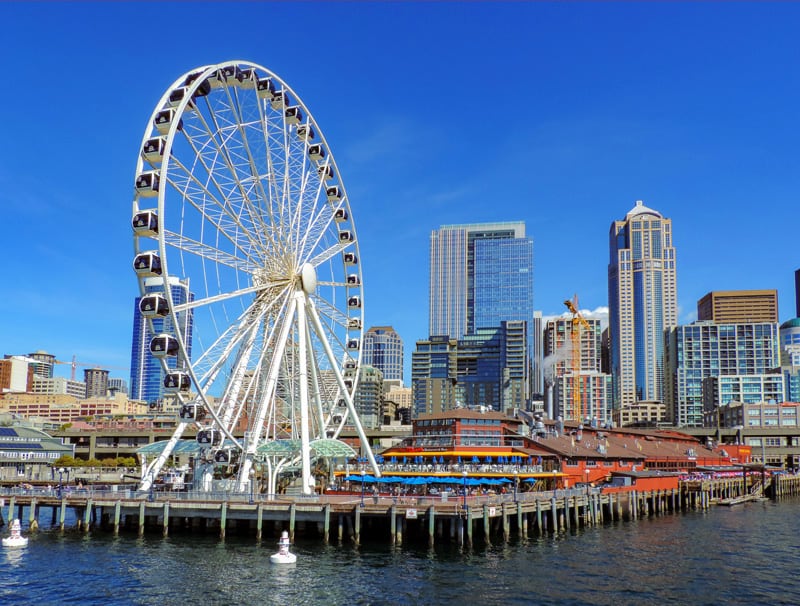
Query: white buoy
(15, 539)
(283, 556)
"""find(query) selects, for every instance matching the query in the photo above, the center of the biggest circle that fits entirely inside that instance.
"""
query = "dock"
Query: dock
(355, 518)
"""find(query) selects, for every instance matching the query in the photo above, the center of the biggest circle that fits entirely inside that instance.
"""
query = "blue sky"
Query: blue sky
(558, 114)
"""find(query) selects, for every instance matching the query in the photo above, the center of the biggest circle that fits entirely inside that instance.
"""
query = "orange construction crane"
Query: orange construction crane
(578, 322)
(74, 365)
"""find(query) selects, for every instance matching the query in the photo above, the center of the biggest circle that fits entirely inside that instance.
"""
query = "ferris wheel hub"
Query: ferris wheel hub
(308, 278)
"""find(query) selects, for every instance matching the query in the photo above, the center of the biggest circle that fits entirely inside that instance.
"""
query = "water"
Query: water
(739, 555)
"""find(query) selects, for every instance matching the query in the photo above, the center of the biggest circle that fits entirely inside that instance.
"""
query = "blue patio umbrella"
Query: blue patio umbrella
(459, 459)
(488, 459)
(504, 481)
(364, 478)
(405, 460)
(475, 459)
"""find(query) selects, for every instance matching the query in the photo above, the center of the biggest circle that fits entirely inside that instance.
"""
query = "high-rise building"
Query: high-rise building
(643, 303)
(594, 387)
(43, 367)
(730, 306)
(797, 293)
(487, 368)
(96, 380)
(703, 350)
(480, 275)
(383, 349)
(790, 359)
(537, 355)
(147, 377)
(368, 398)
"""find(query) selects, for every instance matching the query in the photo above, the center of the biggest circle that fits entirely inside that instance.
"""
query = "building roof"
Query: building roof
(468, 413)
(613, 445)
(793, 323)
(641, 209)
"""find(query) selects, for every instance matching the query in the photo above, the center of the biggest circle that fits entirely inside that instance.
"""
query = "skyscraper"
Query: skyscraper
(643, 303)
(147, 377)
(383, 349)
(480, 275)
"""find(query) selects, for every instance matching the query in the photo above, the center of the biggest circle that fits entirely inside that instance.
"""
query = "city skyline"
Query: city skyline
(591, 108)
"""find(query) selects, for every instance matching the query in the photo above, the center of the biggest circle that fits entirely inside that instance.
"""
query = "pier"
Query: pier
(355, 518)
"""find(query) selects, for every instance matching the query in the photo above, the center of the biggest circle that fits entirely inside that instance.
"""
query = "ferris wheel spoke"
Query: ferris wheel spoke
(220, 351)
(254, 174)
(225, 296)
(327, 254)
(319, 225)
(223, 148)
(218, 211)
(209, 253)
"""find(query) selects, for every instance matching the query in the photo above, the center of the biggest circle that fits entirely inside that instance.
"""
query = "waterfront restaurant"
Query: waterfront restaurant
(464, 447)
(483, 446)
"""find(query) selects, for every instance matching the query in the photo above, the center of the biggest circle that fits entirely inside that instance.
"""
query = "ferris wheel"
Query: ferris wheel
(248, 265)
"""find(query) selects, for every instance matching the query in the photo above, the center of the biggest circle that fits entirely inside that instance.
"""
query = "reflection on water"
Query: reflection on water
(742, 555)
(13, 556)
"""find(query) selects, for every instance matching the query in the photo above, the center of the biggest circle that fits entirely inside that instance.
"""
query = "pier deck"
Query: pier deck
(353, 516)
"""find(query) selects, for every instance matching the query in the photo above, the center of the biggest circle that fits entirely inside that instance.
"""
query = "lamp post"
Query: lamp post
(464, 473)
(516, 481)
(252, 484)
(60, 476)
(587, 483)
(362, 487)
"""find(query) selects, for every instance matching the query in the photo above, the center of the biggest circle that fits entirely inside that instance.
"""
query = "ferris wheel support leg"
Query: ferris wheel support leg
(340, 381)
(305, 448)
(315, 383)
(152, 472)
(269, 392)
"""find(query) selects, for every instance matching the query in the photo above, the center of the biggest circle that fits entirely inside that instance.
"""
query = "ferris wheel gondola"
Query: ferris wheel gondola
(237, 198)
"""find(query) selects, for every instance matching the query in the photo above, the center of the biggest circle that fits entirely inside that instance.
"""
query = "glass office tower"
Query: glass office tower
(147, 377)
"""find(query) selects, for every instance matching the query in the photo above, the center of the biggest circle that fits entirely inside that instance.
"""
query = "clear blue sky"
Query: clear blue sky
(561, 115)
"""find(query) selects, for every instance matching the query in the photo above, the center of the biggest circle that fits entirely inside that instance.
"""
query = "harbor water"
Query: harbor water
(727, 555)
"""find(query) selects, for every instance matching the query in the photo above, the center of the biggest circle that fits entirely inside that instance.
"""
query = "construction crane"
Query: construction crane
(74, 365)
(578, 323)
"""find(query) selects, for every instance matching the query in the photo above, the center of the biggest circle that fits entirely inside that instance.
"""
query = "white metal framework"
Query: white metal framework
(237, 192)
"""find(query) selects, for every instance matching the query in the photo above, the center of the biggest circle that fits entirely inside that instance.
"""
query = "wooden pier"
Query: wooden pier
(355, 519)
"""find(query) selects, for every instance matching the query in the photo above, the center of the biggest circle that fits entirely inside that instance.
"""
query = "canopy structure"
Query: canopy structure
(326, 447)
(182, 447)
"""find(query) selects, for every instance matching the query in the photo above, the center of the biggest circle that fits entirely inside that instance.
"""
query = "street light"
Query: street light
(362, 487)
(464, 473)
(60, 476)
(252, 484)
(516, 481)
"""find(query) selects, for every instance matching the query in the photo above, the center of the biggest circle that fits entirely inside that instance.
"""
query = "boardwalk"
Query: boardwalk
(353, 517)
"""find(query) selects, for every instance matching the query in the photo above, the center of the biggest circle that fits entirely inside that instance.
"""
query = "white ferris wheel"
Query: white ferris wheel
(248, 266)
